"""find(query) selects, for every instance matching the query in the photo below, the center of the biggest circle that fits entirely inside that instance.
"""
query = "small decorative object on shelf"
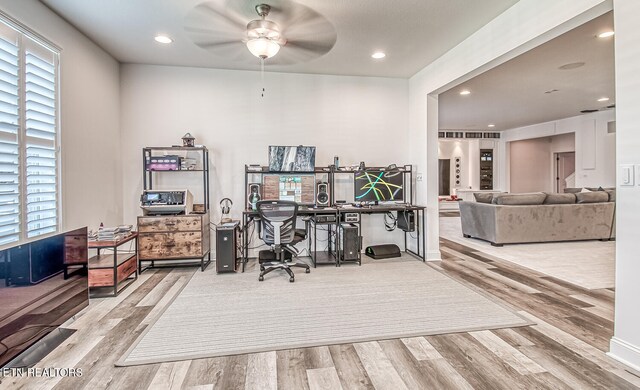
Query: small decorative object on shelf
(188, 140)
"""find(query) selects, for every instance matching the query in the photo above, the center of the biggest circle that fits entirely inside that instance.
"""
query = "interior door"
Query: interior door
(565, 167)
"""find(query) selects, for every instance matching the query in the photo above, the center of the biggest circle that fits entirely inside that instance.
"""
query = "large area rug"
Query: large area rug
(588, 264)
(228, 314)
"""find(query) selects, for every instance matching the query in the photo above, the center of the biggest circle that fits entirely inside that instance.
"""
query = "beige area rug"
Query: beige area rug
(588, 264)
(228, 314)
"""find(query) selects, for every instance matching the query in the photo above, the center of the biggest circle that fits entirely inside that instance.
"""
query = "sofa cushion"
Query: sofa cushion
(592, 197)
(612, 195)
(482, 197)
(533, 198)
(572, 190)
(556, 198)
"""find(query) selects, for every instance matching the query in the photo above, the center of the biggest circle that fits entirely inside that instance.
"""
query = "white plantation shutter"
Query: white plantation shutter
(9, 142)
(29, 197)
(40, 141)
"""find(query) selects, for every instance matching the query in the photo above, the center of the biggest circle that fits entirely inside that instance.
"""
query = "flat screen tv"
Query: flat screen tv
(380, 186)
(43, 283)
(292, 158)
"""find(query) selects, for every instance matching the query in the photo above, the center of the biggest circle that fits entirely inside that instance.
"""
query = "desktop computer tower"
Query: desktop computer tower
(406, 221)
(350, 241)
(227, 238)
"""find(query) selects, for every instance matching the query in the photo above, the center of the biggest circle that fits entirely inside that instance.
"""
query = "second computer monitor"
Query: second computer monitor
(298, 188)
(379, 186)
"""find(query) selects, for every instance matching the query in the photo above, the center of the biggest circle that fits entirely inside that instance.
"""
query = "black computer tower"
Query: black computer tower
(350, 242)
(227, 247)
(406, 221)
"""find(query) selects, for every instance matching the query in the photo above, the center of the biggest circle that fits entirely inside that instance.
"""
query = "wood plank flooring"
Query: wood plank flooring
(564, 350)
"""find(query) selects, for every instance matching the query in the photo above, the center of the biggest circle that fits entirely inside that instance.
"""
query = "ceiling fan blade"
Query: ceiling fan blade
(310, 46)
(208, 14)
(218, 44)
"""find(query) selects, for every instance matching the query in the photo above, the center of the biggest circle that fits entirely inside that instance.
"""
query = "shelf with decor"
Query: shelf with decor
(182, 239)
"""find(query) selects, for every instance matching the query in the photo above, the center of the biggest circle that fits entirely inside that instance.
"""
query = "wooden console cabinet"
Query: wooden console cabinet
(114, 270)
(175, 238)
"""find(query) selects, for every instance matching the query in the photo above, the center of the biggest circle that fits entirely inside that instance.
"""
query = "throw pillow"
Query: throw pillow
(592, 197)
(483, 197)
(554, 198)
(533, 198)
(612, 195)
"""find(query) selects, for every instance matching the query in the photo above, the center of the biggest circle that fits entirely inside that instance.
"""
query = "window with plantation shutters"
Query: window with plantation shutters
(9, 143)
(29, 196)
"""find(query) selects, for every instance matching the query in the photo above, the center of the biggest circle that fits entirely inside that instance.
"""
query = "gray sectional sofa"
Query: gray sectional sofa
(539, 217)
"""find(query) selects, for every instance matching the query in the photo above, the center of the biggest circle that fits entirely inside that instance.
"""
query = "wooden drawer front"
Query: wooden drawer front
(75, 249)
(170, 245)
(169, 224)
(104, 277)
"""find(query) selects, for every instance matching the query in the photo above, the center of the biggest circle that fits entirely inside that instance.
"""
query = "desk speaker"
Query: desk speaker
(322, 194)
(254, 195)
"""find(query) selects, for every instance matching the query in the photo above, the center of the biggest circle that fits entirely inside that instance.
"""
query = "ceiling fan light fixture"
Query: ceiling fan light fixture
(163, 39)
(263, 47)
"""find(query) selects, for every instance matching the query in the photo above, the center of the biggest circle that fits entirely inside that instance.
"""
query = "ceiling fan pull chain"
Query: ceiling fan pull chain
(262, 74)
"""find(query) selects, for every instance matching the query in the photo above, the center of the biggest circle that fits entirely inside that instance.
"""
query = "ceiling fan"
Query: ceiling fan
(284, 32)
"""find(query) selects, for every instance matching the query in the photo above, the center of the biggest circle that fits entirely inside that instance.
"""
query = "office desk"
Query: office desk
(309, 215)
(385, 208)
(332, 255)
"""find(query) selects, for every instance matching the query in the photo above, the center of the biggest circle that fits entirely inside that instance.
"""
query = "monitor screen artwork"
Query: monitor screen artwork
(297, 188)
(292, 158)
(378, 186)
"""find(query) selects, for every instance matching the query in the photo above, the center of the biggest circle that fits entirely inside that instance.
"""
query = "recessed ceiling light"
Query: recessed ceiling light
(603, 99)
(378, 55)
(163, 39)
(572, 65)
(491, 125)
(606, 34)
(465, 92)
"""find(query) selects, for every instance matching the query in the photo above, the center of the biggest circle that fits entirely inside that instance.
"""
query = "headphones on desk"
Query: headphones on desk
(225, 207)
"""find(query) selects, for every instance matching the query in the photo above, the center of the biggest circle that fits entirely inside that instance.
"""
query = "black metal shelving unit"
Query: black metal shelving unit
(148, 174)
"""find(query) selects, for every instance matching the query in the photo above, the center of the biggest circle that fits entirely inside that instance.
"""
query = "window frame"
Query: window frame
(27, 38)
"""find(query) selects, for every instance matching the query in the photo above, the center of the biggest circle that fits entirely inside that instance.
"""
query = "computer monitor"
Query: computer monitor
(378, 186)
(298, 188)
(292, 158)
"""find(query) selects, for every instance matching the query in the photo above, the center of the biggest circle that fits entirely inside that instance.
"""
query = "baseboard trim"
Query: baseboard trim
(625, 353)
(434, 256)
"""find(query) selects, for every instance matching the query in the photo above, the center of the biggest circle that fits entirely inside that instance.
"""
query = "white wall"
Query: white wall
(625, 345)
(469, 151)
(89, 118)
(449, 149)
(529, 165)
(594, 146)
(356, 118)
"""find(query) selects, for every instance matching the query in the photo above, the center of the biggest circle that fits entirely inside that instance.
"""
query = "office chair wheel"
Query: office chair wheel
(307, 271)
(261, 278)
(292, 279)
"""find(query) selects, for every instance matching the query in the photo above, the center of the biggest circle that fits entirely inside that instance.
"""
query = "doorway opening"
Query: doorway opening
(565, 170)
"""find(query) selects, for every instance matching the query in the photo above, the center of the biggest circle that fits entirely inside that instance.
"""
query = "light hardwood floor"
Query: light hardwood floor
(564, 350)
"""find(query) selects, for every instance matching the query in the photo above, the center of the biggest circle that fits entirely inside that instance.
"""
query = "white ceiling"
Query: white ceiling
(413, 33)
(513, 94)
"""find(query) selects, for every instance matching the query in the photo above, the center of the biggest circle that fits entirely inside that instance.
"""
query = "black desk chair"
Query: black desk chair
(278, 229)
